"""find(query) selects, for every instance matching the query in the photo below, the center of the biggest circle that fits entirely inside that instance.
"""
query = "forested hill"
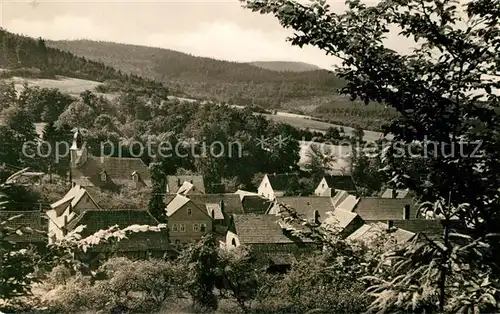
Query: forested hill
(239, 83)
(285, 66)
(26, 56)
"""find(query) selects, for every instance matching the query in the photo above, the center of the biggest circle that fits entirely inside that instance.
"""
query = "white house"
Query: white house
(329, 185)
(275, 185)
(66, 209)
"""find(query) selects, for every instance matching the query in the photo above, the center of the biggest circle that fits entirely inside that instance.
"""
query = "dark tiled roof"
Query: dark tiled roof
(377, 208)
(232, 202)
(280, 181)
(96, 220)
(255, 204)
(175, 182)
(260, 229)
(140, 241)
(118, 171)
(306, 205)
(341, 182)
(32, 219)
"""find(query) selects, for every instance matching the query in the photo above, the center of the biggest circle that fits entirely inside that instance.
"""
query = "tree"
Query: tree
(444, 91)
(156, 205)
(18, 264)
(201, 261)
(238, 275)
(321, 161)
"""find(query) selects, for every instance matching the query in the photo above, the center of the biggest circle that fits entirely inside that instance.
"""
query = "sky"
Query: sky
(217, 29)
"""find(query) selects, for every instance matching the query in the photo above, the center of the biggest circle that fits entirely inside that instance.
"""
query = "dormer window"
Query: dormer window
(104, 177)
(135, 176)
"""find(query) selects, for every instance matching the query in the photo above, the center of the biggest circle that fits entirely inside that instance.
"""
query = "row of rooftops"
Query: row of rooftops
(251, 215)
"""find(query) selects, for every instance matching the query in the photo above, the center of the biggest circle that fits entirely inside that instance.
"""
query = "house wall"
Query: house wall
(181, 216)
(54, 232)
(85, 203)
(230, 236)
(265, 189)
(322, 186)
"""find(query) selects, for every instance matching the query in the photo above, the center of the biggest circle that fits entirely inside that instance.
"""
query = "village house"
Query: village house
(61, 213)
(274, 185)
(137, 245)
(319, 210)
(373, 209)
(105, 172)
(185, 184)
(187, 221)
(218, 207)
(330, 184)
(272, 242)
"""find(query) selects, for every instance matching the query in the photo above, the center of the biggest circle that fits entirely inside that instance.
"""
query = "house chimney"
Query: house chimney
(178, 182)
(316, 217)
(221, 204)
(394, 193)
(406, 212)
(65, 225)
(390, 224)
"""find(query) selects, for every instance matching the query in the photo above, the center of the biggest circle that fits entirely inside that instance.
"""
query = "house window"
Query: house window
(175, 228)
(323, 186)
(233, 242)
(203, 227)
(265, 185)
(189, 212)
(182, 228)
(196, 227)
(103, 177)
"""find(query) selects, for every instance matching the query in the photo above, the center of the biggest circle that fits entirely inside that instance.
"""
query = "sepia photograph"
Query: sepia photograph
(250, 156)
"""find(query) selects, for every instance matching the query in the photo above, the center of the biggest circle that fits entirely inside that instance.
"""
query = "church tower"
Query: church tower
(78, 150)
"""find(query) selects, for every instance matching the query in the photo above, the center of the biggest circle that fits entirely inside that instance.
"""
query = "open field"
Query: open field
(303, 122)
(65, 84)
(74, 87)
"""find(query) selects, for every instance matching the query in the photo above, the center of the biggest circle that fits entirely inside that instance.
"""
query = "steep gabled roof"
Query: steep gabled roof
(341, 182)
(260, 229)
(281, 181)
(96, 220)
(348, 203)
(243, 193)
(118, 171)
(255, 204)
(370, 232)
(214, 210)
(340, 218)
(176, 203)
(339, 197)
(31, 219)
(185, 188)
(307, 205)
(377, 208)
(232, 202)
(175, 182)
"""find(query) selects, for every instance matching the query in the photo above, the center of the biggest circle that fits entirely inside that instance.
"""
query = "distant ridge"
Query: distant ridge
(286, 66)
